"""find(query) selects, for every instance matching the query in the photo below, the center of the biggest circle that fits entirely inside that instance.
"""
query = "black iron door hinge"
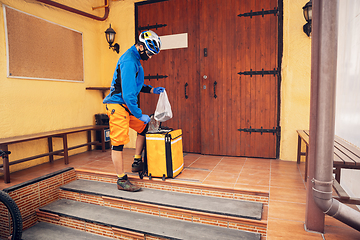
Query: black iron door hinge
(157, 77)
(260, 13)
(275, 130)
(262, 72)
(148, 27)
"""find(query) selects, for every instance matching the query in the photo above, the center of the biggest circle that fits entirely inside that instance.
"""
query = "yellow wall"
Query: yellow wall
(296, 74)
(31, 106)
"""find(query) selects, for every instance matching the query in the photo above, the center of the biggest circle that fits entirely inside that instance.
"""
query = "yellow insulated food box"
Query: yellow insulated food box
(164, 152)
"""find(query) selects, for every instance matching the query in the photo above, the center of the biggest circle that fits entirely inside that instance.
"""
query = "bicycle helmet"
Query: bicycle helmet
(151, 41)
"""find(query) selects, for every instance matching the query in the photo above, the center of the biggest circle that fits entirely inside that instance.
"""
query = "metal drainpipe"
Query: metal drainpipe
(73, 10)
(323, 120)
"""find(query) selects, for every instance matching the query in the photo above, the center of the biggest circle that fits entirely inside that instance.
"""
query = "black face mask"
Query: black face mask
(143, 55)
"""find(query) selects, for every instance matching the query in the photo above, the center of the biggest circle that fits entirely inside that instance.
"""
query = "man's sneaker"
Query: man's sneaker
(126, 185)
(137, 166)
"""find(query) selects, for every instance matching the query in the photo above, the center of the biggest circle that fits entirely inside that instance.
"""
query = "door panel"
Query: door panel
(215, 80)
(220, 100)
(180, 65)
(257, 51)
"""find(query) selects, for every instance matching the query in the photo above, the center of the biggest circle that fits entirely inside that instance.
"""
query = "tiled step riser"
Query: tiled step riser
(161, 211)
(183, 188)
(203, 192)
(4, 218)
(94, 228)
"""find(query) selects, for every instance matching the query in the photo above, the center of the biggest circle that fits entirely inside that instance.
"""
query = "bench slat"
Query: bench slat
(304, 136)
(346, 160)
(338, 161)
(355, 151)
(307, 132)
(347, 154)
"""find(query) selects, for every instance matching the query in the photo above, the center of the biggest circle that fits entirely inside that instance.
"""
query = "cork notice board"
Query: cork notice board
(39, 49)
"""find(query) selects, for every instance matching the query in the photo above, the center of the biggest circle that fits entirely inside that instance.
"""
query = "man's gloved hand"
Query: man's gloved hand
(158, 90)
(145, 118)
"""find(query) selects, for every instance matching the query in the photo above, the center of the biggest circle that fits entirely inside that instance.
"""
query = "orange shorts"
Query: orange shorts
(120, 121)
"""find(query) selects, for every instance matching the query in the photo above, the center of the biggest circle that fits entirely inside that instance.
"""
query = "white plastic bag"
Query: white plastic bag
(163, 108)
(153, 125)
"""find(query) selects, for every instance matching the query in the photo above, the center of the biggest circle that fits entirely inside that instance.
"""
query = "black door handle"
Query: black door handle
(186, 96)
(215, 83)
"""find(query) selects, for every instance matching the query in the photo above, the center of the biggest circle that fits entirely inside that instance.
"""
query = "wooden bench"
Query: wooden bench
(4, 142)
(345, 156)
(303, 136)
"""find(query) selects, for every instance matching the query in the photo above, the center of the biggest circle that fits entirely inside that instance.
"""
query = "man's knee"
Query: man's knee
(118, 148)
(143, 133)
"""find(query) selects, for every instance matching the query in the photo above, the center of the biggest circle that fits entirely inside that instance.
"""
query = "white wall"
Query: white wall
(347, 120)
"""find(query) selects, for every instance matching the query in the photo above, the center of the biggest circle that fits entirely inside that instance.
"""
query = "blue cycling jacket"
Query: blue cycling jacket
(128, 82)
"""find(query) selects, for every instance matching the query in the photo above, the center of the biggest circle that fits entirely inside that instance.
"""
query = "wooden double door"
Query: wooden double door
(224, 85)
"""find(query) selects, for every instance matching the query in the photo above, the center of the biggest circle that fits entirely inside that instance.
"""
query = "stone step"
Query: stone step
(178, 200)
(46, 231)
(180, 185)
(66, 211)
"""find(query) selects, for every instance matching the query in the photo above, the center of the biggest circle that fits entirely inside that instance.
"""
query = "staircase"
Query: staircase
(91, 207)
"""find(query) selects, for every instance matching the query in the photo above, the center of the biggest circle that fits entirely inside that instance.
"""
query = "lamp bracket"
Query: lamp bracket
(115, 47)
(262, 13)
(307, 28)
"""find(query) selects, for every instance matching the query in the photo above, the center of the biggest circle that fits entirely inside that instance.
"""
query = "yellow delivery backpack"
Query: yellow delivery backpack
(164, 153)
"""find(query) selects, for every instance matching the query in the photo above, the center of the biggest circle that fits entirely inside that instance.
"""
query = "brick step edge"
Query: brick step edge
(178, 186)
(94, 228)
(250, 225)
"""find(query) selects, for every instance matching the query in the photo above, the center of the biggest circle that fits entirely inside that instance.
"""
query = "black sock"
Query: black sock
(123, 177)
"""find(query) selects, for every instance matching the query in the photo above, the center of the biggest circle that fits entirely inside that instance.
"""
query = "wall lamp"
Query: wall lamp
(110, 37)
(307, 9)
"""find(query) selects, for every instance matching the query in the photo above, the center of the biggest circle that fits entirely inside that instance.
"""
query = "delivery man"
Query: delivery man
(122, 104)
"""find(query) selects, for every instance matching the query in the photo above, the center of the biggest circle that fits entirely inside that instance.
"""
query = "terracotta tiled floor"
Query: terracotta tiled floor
(281, 179)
